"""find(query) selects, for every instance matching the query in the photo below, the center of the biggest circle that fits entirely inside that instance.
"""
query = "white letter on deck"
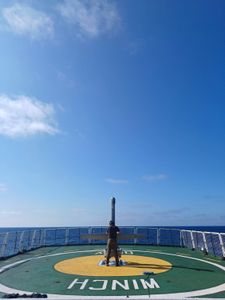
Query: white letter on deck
(83, 283)
(152, 284)
(135, 284)
(125, 286)
(104, 285)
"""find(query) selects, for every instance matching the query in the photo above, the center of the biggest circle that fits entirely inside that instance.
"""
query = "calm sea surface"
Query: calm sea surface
(199, 228)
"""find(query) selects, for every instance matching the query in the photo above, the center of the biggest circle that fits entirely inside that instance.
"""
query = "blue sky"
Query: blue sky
(112, 98)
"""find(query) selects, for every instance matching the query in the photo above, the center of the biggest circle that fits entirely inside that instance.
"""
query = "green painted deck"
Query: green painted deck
(192, 274)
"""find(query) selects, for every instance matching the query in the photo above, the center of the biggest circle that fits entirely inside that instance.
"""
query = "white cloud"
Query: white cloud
(91, 18)
(3, 187)
(116, 181)
(24, 116)
(156, 177)
(25, 20)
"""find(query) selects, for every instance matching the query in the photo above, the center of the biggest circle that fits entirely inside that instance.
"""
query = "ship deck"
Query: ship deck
(147, 271)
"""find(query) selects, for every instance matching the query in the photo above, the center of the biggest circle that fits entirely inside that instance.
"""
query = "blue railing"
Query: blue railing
(12, 243)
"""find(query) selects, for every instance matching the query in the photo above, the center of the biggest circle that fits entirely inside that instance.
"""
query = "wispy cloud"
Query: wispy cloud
(10, 212)
(63, 77)
(214, 197)
(91, 18)
(133, 47)
(25, 20)
(3, 187)
(116, 181)
(78, 210)
(24, 116)
(156, 177)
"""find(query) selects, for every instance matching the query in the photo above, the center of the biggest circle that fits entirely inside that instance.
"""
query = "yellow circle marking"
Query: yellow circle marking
(135, 265)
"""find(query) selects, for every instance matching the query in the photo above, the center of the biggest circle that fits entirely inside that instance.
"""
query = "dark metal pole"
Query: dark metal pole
(113, 203)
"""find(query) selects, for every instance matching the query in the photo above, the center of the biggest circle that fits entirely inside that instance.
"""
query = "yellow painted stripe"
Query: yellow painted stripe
(135, 265)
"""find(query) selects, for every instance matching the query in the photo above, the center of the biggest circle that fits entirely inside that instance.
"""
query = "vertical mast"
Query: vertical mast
(113, 202)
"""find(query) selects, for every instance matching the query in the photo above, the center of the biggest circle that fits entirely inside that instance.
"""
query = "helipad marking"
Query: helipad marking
(196, 293)
(135, 265)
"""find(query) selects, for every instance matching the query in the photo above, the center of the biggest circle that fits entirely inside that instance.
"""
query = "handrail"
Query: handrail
(209, 242)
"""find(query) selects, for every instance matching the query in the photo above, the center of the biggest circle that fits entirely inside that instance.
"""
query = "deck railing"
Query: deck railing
(12, 243)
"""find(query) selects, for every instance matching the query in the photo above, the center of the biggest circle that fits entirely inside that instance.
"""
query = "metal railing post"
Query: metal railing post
(158, 236)
(66, 236)
(181, 238)
(205, 242)
(192, 240)
(222, 245)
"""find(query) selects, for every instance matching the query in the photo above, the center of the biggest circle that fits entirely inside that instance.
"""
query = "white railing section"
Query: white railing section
(12, 243)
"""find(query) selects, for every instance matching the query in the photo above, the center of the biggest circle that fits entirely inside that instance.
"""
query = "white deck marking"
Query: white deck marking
(182, 295)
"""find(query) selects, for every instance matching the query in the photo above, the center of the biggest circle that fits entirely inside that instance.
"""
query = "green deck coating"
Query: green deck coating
(40, 276)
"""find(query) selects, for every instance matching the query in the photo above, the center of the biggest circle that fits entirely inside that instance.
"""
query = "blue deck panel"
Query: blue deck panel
(27, 239)
(84, 230)
(187, 239)
(169, 237)
(60, 236)
(127, 230)
(216, 245)
(209, 242)
(198, 240)
(98, 230)
(73, 236)
(149, 236)
(37, 239)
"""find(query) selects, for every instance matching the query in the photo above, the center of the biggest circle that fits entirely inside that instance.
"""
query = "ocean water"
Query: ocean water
(220, 229)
